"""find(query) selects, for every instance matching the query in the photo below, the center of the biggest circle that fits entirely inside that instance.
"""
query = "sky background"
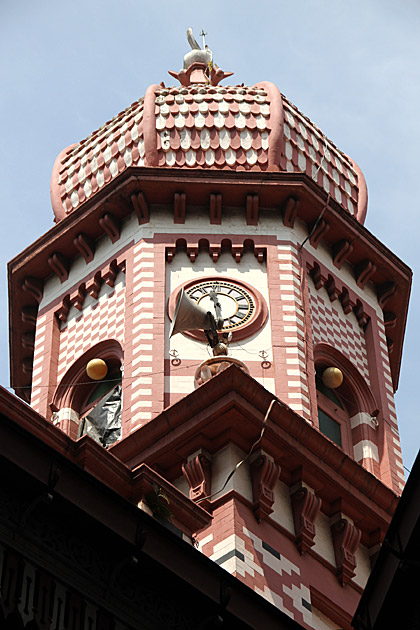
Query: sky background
(66, 67)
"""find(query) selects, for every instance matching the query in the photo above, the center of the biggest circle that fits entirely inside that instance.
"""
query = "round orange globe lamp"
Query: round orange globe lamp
(332, 377)
(96, 369)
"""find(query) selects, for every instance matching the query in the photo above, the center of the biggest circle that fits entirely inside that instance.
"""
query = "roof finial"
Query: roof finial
(198, 64)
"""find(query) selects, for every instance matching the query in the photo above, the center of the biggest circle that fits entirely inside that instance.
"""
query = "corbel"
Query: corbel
(347, 302)
(180, 200)
(264, 475)
(252, 202)
(215, 208)
(60, 266)
(27, 365)
(28, 315)
(364, 272)
(85, 246)
(63, 311)
(111, 226)
(111, 273)
(390, 344)
(28, 340)
(290, 211)
(141, 207)
(317, 276)
(319, 231)
(385, 291)
(341, 251)
(170, 253)
(93, 286)
(214, 251)
(237, 251)
(305, 508)
(78, 297)
(197, 472)
(34, 286)
(259, 253)
(332, 289)
(346, 538)
(192, 252)
(390, 319)
(362, 317)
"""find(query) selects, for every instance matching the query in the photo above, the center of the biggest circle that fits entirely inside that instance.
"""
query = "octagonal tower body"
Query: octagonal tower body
(202, 186)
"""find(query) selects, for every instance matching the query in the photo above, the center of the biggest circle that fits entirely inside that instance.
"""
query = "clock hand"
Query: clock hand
(217, 308)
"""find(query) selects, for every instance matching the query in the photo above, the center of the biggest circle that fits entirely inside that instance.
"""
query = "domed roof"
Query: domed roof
(202, 125)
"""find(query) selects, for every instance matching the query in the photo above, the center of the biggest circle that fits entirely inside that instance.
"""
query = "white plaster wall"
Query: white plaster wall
(248, 270)
(323, 539)
(363, 567)
(182, 485)
(282, 507)
(224, 461)
(321, 622)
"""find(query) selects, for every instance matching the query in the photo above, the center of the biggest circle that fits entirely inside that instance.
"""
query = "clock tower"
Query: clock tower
(200, 195)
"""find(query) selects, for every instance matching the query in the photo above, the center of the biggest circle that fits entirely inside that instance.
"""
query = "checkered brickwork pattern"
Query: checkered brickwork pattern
(333, 327)
(39, 361)
(390, 416)
(259, 565)
(97, 322)
(289, 333)
(139, 395)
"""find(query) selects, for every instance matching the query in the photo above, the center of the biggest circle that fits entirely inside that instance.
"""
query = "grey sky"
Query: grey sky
(353, 68)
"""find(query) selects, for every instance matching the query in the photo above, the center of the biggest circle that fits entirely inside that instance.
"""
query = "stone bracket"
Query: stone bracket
(346, 538)
(264, 475)
(111, 226)
(290, 211)
(197, 472)
(252, 202)
(305, 508)
(60, 266)
(85, 246)
(141, 207)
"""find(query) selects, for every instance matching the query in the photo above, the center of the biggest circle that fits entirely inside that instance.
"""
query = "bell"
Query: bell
(96, 369)
(332, 377)
(189, 316)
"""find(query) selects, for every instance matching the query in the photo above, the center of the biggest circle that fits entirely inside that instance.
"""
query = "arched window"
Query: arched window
(347, 414)
(84, 406)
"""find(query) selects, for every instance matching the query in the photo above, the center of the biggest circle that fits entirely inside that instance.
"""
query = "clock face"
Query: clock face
(244, 309)
(238, 304)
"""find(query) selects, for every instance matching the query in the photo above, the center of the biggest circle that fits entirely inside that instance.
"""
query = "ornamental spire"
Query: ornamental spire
(198, 64)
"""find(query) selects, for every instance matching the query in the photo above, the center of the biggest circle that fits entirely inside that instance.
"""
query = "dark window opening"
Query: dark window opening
(329, 427)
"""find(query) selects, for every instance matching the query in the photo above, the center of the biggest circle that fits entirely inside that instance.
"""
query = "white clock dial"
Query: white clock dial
(237, 303)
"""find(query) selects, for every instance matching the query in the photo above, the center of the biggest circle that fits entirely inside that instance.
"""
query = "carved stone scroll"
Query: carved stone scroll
(305, 508)
(85, 246)
(385, 292)
(197, 472)
(319, 233)
(346, 538)
(364, 272)
(265, 474)
(141, 207)
(34, 286)
(60, 266)
(290, 211)
(111, 226)
(341, 251)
